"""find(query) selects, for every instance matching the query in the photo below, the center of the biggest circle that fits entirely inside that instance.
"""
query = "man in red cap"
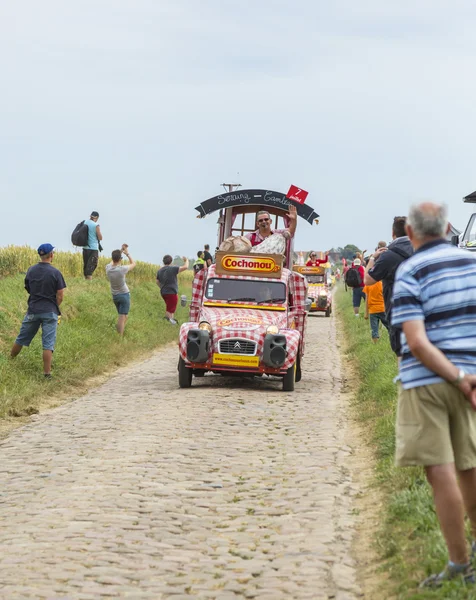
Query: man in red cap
(46, 285)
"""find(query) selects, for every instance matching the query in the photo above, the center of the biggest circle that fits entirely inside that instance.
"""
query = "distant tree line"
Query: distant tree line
(346, 252)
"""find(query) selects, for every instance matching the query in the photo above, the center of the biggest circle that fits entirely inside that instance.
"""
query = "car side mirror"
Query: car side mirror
(455, 240)
(183, 300)
(308, 304)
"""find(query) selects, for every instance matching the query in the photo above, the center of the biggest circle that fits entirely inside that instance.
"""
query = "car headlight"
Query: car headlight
(272, 329)
(205, 325)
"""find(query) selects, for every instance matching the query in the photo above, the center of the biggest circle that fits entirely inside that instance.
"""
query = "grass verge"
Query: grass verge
(87, 342)
(409, 540)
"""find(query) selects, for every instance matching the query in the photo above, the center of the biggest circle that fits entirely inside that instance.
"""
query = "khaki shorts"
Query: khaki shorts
(435, 426)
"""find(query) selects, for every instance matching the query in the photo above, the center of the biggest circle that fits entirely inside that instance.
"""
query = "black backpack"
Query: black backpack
(79, 237)
(352, 278)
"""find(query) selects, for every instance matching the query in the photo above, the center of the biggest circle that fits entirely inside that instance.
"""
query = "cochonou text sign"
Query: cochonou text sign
(263, 198)
(257, 265)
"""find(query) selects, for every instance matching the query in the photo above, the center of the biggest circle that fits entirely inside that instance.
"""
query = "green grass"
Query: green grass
(409, 540)
(87, 342)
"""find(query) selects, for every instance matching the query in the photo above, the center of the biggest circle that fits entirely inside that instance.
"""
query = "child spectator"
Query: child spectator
(375, 307)
(199, 264)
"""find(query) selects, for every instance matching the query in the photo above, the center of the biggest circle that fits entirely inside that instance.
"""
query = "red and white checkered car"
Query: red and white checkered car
(241, 335)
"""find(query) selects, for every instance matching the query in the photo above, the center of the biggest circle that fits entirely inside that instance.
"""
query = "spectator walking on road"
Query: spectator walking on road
(375, 309)
(46, 285)
(382, 267)
(168, 284)
(116, 273)
(91, 251)
(354, 278)
(435, 304)
(207, 257)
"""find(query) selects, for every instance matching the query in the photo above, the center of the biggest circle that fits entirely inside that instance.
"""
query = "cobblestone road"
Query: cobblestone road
(225, 491)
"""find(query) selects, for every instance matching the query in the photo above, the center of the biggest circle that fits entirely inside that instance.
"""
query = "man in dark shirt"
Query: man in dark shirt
(207, 257)
(46, 285)
(383, 265)
(168, 284)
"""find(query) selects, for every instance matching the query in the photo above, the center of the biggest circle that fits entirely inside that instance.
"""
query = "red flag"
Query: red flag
(297, 194)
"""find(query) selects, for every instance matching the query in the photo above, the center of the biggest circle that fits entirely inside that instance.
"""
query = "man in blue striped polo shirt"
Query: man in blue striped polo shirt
(435, 305)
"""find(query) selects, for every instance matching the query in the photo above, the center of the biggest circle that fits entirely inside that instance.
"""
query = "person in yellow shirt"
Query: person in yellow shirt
(375, 307)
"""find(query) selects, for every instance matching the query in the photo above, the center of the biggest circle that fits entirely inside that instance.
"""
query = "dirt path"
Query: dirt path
(227, 490)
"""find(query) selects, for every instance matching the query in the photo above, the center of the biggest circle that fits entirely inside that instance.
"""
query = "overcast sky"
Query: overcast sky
(140, 109)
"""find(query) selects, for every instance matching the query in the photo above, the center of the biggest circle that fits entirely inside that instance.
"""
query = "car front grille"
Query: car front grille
(234, 346)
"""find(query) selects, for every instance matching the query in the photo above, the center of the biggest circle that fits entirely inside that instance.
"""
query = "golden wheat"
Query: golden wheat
(15, 260)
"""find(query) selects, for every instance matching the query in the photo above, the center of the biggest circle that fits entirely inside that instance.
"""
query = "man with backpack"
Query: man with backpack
(93, 246)
(382, 267)
(354, 278)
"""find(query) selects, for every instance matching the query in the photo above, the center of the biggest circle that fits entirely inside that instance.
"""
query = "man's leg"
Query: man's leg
(16, 349)
(467, 482)
(449, 509)
(28, 330)
(47, 360)
(121, 324)
(356, 300)
(374, 320)
(49, 326)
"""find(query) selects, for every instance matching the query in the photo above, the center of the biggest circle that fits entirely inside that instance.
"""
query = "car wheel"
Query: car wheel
(184, 374)
(298, 370)
(328, 312)
(289, 379)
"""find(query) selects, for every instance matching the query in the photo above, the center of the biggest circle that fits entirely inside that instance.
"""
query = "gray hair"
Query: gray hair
(428, 219)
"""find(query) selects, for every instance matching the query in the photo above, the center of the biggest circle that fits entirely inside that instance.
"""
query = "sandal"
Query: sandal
(466, 572)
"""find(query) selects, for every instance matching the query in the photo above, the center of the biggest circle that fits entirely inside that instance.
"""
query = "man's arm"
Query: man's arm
(59, 296)
(184, 267)
(292, 215)
(98, 232)
(132, 262)
(378, 274)
(435, 360)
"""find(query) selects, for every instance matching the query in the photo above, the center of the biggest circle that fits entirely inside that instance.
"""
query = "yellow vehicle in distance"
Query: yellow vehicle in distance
(318, 290)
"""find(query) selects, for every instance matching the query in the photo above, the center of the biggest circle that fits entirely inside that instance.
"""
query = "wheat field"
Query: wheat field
(15, 260)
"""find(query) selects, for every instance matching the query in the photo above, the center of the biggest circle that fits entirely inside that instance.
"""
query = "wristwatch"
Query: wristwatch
(460, 377)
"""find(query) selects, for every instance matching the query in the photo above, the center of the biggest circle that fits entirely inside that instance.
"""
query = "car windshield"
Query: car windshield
(315, 278)
(470, 233)
(245, 290)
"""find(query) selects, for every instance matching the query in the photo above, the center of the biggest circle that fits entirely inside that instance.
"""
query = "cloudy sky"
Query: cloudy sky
(140, 109)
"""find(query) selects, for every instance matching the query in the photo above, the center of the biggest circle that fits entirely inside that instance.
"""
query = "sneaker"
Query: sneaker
(173, 321)
(47, 375)
(466, 572)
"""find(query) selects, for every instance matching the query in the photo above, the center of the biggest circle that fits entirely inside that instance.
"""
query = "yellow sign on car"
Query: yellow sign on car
(235, 360)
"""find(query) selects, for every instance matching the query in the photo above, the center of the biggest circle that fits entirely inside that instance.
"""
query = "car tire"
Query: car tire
(298, 370)
(289, 379)
(184, 374)
(328, 312)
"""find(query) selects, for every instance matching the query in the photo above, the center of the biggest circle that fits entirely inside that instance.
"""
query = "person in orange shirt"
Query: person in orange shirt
(375, 307)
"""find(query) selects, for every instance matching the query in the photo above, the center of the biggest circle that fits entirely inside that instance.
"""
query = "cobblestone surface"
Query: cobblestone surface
(227, 490)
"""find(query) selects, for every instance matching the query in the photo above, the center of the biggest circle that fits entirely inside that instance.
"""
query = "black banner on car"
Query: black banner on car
(255, 197)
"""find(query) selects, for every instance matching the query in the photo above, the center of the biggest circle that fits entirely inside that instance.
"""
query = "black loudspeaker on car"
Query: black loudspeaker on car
(198, 341)
(274, 350)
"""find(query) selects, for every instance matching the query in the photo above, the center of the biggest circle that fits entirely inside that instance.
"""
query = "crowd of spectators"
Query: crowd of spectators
(423, 290)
